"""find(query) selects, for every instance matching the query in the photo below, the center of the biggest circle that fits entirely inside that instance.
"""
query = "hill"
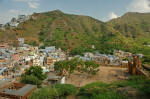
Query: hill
(60, 29)
(77, 33)
(136, 28)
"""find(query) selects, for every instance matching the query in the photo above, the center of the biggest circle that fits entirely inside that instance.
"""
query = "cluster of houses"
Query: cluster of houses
(117, 59)
(13, 61)
(15, 21)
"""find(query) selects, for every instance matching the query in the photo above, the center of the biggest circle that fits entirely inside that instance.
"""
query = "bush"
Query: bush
(99, 90)
(30, 79)
(146, 59)
(109, 95)
(133, 81)
(65, 89)
(44, 93)
(93, 88)
(144, 89)
(60, 91)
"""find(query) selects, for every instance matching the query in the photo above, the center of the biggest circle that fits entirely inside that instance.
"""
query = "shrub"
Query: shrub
(65, 89)
(60, 91)
(99, 90)
(31, 79)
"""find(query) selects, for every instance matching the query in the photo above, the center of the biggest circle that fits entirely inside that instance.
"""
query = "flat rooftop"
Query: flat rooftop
(20, 92)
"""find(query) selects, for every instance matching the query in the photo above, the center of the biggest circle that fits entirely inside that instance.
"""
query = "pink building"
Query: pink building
(16, 57)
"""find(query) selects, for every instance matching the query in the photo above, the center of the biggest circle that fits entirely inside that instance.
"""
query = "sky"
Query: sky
(103, 10)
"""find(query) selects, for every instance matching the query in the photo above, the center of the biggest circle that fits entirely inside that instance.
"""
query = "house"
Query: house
(140, 55)
(21, 41)
(21, 18)
(62, 55)
(50, 63)
(2, 27)
(2, 59)
(3, 70)
(17, 91)
(13, 20)
(36, 62)
(16, 57)
(88, 55)
(50, 49)
(53, 79)
(13, 24)
(4, 45)
(122, 54)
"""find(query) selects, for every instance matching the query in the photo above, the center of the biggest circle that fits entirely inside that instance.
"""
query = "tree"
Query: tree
(67, 66)
(33, 75)
(60, 67)
(77, 51)
(36, 71)
(91, 67)
(30, 79)
(72, 65)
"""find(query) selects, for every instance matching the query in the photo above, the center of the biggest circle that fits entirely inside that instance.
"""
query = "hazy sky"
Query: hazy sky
(101, 9)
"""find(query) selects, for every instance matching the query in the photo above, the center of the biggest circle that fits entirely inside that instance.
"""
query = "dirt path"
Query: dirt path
(105, 74)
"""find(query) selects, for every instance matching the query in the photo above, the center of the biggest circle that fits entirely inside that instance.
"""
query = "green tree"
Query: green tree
(72, 65)
(33, 75)
(30, 79)
(60, 67)
(91, 67)
(36, 71)
(67, 66)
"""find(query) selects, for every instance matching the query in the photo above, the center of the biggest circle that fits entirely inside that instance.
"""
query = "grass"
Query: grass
(140, 83)
(100, 90)
(97, 90)
(134, 81)
(60, 91)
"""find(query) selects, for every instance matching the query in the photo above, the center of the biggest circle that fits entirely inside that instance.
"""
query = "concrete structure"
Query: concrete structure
(53, 79)
(135, 66)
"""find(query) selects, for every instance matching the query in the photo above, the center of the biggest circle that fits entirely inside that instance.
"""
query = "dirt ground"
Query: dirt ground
(105, 74)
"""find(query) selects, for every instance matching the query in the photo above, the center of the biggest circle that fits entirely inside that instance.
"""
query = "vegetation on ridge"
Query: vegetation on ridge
(77, 34)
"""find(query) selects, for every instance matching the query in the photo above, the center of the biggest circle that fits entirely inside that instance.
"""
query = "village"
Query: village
(13, 61)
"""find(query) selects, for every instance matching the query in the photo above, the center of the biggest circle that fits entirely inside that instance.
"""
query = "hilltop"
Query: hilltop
(77, 33)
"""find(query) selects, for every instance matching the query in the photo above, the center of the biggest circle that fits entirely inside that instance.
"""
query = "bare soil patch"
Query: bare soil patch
(105, 74)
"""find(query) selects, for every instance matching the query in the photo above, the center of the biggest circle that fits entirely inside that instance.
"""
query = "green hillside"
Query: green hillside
(62, 30)
(77, 33)
(136, 28)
